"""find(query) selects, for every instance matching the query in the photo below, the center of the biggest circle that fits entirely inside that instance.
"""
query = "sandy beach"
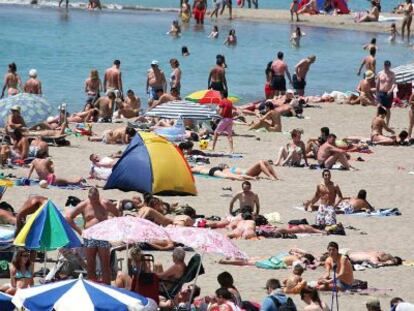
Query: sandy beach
(384, 174)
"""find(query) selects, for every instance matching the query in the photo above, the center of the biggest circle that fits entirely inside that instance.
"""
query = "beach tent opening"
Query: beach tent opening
(151, 164)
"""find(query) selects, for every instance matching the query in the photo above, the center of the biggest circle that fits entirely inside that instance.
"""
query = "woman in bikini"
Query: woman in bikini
(408, 18)
(292, 154)
(372, 15)
(12, 81)
(21, 273)
(175, 77)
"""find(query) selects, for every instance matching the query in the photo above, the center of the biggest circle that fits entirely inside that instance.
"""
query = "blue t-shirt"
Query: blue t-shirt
(269, 305)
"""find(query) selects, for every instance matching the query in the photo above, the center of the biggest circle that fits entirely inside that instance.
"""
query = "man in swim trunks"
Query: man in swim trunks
(377, 126)
(225, 125)
(199, 10)
(106, 105)
(12, 81)
(247, 200)
(327, 192)
(385, 89)
(45, 170)
(30, 206)
(94, 210)
(243, 229)
(329, 154)
(33, 85)
(369, 62)
(113, 79)
(155, 80)
(301, 70)
(341, 266)
(217, 77)
(271, 121)
(279, 69)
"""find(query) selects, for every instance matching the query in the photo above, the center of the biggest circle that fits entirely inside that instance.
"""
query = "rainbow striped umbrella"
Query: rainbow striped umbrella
(47, 230)
(210, 97)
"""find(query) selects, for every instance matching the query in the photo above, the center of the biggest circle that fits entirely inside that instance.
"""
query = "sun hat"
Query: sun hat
(33, 73)
(154, 63)
(15, 108)
(369, 74)
(290, 91)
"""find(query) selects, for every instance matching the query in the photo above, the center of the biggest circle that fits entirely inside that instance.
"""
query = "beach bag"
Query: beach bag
(358, 284)
(288, 306)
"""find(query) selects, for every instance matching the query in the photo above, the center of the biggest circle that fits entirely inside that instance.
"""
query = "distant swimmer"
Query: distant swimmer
(231, 38)
(94, 4)
(296, 36)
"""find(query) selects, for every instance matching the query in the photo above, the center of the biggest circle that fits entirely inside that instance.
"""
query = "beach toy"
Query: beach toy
(341, 144)
(43, 184)
(203, 144)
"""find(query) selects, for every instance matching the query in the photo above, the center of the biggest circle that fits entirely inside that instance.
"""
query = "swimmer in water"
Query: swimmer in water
(296, 36)
(231, 39)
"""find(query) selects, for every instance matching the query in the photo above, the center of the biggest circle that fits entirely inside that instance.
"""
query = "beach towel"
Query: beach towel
(273, 263)
(338, 167)
(34, 182)
(389, 19)
(385, 212)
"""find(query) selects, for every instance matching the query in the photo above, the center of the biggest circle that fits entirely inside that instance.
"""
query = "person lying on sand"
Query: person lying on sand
(292, 153)
(45, 170)
(329, 154)
(377, 126)
(375, 258)
(270, 121)
(236, 173)
(121, 135)
(244, 228)
(184, 220)
(355, 205)
(99, 161)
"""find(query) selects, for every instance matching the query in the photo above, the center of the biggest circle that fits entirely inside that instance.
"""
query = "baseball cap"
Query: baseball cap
(15, 108)
(154, 62)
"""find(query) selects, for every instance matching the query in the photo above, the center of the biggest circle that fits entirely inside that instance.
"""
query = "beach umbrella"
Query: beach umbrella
(404, 73)
(47, 230)
(75, 295)
(6, 302)
(210, 97)
(126, 229)
(205, 241)
(34, 108)
(152, 164)
(183, 110)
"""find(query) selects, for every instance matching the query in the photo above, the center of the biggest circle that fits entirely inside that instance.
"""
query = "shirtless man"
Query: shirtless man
(217, 77)
(271, 121)
(243, 229)
(377, 126)
(20, 148)
(131, 106)
(155, 80)
(15, 120)
(247, 199)
(113, 79)
(329, 154)
(29, 207)
(376, 258)
(301, 70)
(366, 91)
(12, 81)
(279, 69)
(106, 104)
(385, 89)
(155, 216)
(121, 135)
(45, 170)
(341, 265)
(33, 85)
(327, 192)
(369, 62)
(94, 210)
(165, 97)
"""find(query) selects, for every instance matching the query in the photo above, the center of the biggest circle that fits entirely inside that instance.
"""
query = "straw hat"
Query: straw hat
(15, 108)
(369, 74)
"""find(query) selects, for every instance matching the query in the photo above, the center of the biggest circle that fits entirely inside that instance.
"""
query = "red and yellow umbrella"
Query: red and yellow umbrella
(210, 97)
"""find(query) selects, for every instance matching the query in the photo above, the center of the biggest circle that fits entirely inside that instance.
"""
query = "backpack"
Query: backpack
(288, 306)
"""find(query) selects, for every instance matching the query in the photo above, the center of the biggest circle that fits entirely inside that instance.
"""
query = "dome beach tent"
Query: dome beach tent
(151, 164)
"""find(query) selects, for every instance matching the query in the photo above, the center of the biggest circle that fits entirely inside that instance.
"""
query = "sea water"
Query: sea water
(64, 47)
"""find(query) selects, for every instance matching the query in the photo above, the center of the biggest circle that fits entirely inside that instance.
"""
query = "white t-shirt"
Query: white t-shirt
(404, 306)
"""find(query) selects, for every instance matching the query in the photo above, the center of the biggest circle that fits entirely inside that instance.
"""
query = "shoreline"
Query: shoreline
(344, 22)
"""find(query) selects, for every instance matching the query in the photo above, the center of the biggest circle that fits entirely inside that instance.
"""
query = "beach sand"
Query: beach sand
(384, 175)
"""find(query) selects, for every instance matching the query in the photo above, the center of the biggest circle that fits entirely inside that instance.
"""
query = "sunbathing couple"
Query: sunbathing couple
(121, 135)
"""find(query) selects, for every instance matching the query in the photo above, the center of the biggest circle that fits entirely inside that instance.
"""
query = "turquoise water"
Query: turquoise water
(64, 47)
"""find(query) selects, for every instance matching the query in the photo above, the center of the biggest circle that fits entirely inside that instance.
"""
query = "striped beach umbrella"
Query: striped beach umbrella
(404, 73)
(210, 97)
(34, 108)
(76, 295)
(183, 109)
(47, 230)
(5, 302)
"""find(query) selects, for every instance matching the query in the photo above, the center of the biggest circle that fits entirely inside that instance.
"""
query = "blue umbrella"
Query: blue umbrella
(34, 108)
(5, 302)
(75, 295)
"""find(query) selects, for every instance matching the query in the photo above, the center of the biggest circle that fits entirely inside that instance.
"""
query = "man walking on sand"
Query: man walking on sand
(226, 123)
(94, 210)
(113, 79)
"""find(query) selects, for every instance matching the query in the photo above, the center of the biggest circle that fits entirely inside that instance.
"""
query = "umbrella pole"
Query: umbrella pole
(44, 266)
(195, 281)
(125, 267)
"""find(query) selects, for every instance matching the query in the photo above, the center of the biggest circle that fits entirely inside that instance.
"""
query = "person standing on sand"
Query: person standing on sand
(113, 79)
(33, 85)
(301, 70)
(217, 77)
(94, 210)
(12, 81)
(225, 125)
(385, 89)
(369, 62)
(279, 69)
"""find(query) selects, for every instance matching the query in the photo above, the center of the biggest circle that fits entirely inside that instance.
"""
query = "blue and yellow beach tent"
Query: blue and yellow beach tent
(151, 164)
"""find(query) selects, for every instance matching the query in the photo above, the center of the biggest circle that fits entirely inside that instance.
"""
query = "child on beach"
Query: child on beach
(393, 33)
(231, 39)
(294, 8)
(294, 283)
(226, 123)
(214, 32)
